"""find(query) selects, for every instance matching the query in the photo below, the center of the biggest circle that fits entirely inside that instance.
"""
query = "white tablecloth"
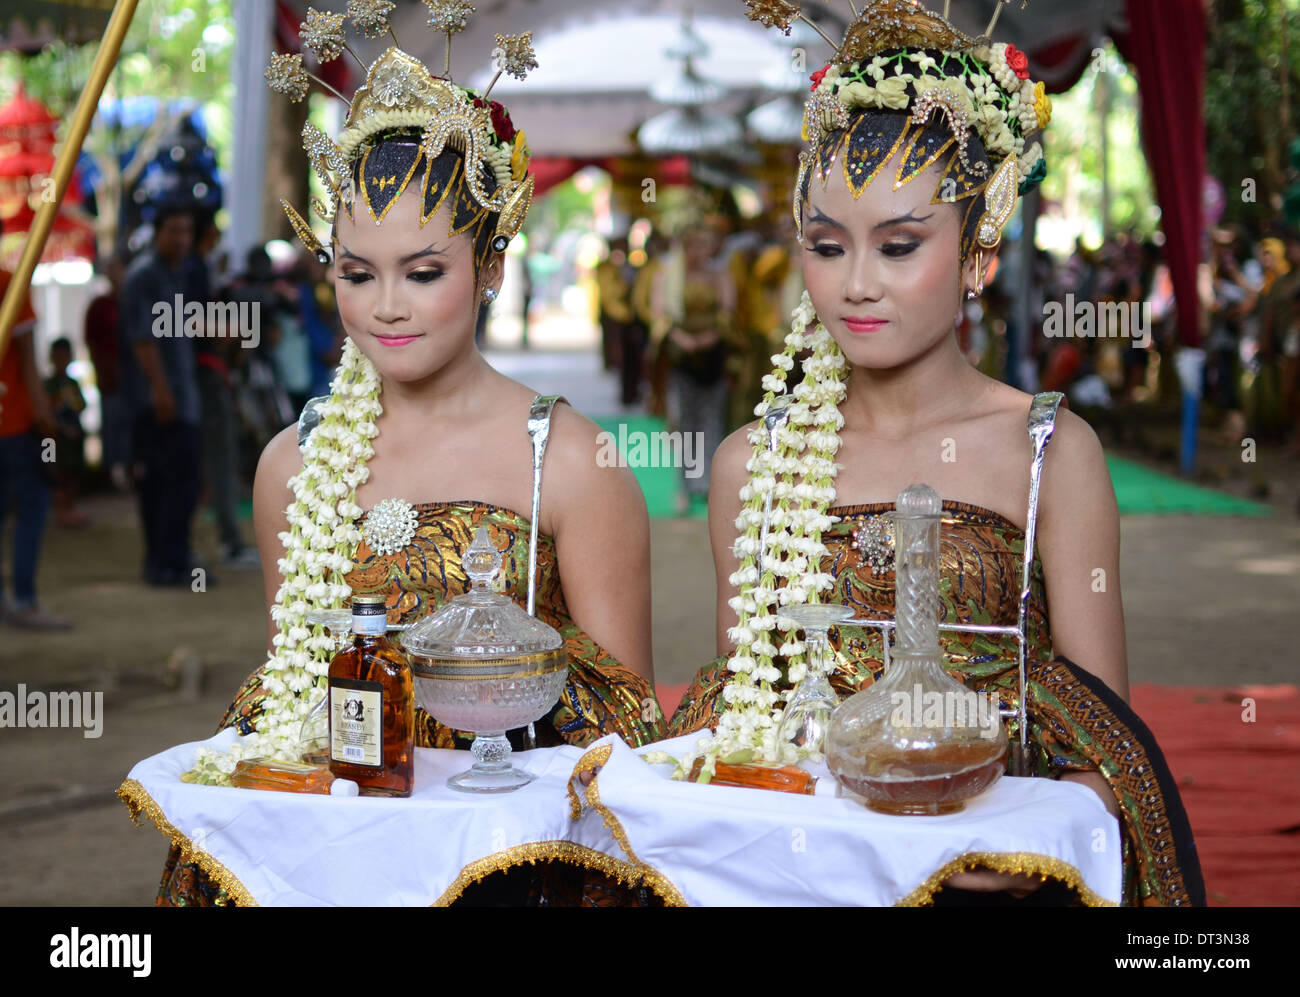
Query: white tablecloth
(699, 845)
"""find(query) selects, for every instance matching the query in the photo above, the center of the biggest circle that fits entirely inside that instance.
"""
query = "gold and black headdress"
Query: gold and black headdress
(899, 56)
(418, 116)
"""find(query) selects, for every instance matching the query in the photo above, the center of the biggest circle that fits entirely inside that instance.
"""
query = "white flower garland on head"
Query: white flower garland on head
(799, 476)
(319, 546)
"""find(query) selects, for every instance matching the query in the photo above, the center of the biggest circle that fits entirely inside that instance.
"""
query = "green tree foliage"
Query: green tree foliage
(1251, 87)
(1074, 155)
(174, 49)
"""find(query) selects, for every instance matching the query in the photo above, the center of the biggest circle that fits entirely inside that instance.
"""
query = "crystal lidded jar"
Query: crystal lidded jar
(917, 741)
(482, 664)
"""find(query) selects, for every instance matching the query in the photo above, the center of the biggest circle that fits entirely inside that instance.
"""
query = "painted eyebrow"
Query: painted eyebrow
(428, 250)
(819, 216)
(825, 219)
(902, 220)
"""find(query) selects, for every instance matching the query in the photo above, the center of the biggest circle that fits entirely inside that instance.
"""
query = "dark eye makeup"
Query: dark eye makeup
(894, 250)
(426, 276)
(827, 250)
(897, 249)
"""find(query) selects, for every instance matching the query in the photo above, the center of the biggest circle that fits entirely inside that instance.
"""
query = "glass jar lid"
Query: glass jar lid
(481, 624)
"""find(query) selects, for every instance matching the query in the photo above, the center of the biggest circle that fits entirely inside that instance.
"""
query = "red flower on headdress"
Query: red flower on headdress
(501, 123)
(1018, 61)
(817, 76)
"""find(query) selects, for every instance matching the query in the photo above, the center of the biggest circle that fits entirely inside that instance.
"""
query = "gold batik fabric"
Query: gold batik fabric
(1075, 722)
(600, 697)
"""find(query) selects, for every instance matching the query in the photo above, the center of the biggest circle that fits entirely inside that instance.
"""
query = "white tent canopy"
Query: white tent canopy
(597, 59)
(591, 89)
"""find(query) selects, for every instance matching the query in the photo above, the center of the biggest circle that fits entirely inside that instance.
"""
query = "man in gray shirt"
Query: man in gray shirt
(160, 383)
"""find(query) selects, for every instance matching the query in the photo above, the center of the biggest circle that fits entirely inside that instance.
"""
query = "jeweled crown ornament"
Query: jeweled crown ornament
(896, 55)
(401, 95)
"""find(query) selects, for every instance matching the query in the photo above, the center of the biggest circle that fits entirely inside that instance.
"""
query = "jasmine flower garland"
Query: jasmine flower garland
(799, 476)
(319, 546)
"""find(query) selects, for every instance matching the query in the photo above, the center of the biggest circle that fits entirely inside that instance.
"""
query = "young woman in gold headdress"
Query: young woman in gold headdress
(917, 145)
(383, 484)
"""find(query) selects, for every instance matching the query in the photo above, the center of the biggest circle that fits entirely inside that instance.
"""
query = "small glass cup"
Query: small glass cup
(808, 710)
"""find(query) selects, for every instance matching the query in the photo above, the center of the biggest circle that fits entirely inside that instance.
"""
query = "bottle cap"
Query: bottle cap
(344, 787)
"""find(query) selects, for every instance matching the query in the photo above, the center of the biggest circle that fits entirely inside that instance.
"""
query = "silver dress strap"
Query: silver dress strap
(539, 431)
(310, 418)
(1041, 424)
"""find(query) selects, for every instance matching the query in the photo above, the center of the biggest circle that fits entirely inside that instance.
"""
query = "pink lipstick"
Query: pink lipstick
(396, 340)
(862, 326)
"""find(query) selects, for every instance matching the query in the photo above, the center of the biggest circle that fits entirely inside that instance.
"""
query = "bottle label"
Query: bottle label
(369, 621)
(357, 722)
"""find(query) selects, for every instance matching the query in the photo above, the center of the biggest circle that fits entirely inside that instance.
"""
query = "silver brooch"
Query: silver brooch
(874, 540)
(389, 526)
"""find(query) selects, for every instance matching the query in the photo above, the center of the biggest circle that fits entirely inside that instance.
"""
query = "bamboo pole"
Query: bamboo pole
(105, 60)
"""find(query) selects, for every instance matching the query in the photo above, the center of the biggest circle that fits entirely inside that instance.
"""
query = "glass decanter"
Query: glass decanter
(484, 665)
(917, 741)
(808, 710)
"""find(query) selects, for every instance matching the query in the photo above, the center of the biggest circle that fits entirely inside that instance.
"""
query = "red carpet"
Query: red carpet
(1240, 782)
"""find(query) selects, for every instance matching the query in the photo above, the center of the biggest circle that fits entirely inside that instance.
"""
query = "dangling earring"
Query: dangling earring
(489, 295)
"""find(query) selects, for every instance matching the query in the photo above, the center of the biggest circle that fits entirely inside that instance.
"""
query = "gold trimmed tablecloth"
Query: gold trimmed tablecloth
(689, 844)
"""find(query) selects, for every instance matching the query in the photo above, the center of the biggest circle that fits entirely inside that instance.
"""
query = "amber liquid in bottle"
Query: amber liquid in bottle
(372, 708)
(786, 779)
(938, 781)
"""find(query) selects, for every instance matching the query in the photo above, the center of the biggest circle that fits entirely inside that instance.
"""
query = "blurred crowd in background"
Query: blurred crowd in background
(687, 323)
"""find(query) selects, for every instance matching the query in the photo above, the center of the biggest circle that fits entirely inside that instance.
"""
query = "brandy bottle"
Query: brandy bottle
(372, 707)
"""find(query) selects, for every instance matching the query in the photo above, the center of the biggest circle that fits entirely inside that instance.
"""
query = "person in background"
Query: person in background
(67, 403)
(649, 278)
(317, 314)
(526, 297)
(101, 338)
(697, 353)
(161, 381)
(760, 272)
(1234, 298)
(634, 333)
(1289, 332)
(216, 356)
(261, 399)
(1273, 315)
(614, 277)
(26, 423)
(293, 350)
